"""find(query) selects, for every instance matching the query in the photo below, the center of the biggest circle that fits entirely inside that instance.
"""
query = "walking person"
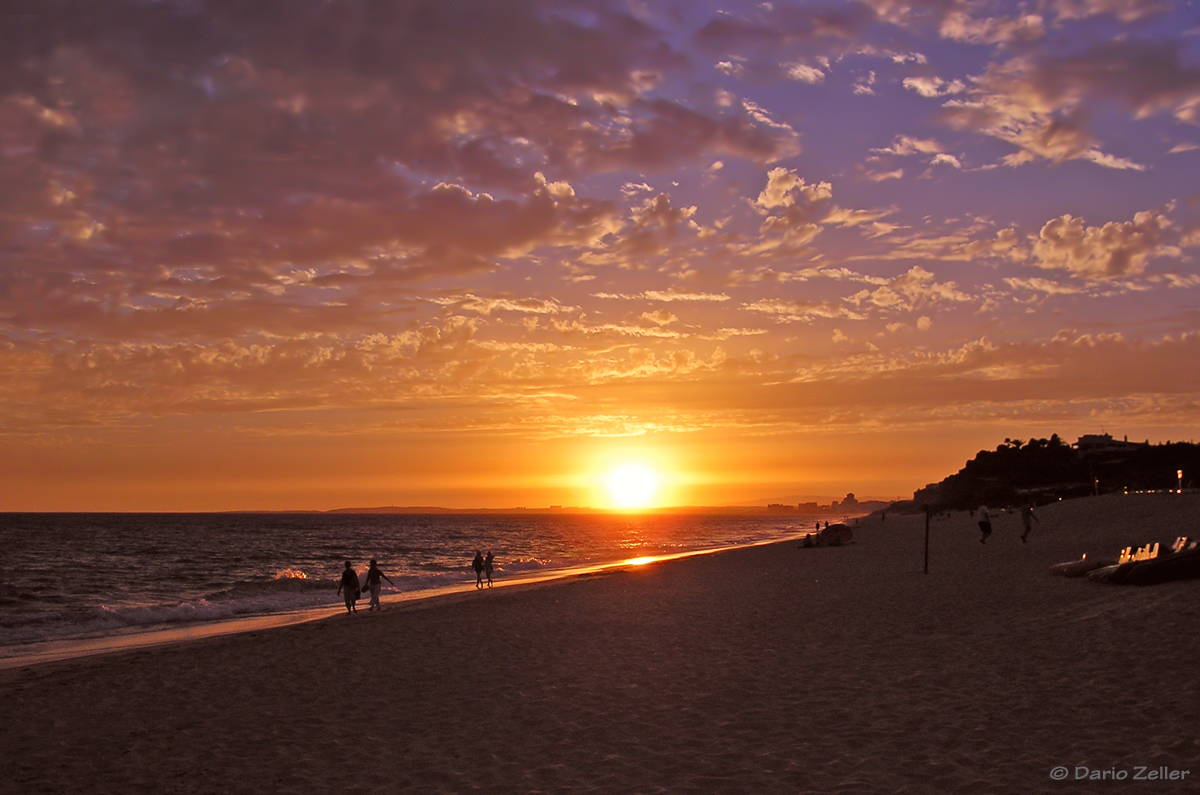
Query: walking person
(1028, 518)
(487, 568)
(985, 523)
(477, 564)
(349, 585)
(374, 585)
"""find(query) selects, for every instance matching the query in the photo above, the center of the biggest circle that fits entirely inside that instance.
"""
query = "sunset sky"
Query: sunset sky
(327, 253)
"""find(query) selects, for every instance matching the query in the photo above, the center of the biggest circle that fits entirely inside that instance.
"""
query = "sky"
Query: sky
(324, 253)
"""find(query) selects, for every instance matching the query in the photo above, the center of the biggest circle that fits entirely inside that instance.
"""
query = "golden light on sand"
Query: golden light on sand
(640, 561)
(632, 486)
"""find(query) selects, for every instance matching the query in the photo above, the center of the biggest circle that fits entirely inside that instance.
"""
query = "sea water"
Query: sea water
(90, 575)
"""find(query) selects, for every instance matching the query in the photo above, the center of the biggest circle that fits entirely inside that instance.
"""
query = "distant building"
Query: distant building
(847, 504)
(1091, 443)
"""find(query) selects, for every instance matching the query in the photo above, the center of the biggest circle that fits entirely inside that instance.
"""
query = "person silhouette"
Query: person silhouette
(477, 564)
(487, 568)
(374, 585)
(349, 585)
(1027, 519)
(985, 523)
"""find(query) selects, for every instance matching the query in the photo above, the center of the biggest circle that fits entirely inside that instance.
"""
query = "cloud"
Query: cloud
(911, 290)
(1039, 285)
(1099, 252)
(864, 85)
(1124, 10)
(300, 205)
(298, 163)
(731, 68)
(840, 216)
(485, 306)
(904, 145)
(1040, 102)
(763, 117)
(784, 187)
(961, 20)
(729, 333)
(960, 24)
(825, 29)
(619, 329)
(934, 86)
(1111, 161)
(655, 223)
(792, 311)
(804, 73)
(660, 317)
(667, 296)
(794, 209)
(883, 176)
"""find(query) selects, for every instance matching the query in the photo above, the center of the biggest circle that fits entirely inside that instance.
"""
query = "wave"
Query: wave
(288, 590)
(44, 615)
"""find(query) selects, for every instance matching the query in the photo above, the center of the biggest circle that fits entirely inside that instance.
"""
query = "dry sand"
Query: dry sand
(768, 669)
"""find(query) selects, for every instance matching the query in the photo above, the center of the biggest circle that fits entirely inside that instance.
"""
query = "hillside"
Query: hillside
(1044, 470)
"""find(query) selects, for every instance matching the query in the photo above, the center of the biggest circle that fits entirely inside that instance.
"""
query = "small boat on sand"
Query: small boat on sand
(1181, 563)
(835, 535)
(1078, 568)
(1145, 566)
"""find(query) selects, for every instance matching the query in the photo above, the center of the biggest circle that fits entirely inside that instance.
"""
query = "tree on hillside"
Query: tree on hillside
(997, 477)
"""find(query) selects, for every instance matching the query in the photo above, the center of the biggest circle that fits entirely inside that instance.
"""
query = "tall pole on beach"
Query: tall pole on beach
(928, 513)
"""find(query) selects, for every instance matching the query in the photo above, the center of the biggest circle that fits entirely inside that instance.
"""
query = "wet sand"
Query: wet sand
(767, 669)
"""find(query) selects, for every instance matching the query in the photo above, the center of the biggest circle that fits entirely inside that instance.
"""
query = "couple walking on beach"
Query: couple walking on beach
(1027, 520)
(483, 568)
(349, 585)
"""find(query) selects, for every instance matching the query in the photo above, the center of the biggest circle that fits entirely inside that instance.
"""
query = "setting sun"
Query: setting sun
(632, 486)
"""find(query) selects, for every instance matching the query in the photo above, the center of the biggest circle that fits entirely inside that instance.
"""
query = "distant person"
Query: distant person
(1027, 519)
(487, 568)
(349, 585)
(374, 585)
(818, 526)
(985, 523)
(477, 564)
(882, 517)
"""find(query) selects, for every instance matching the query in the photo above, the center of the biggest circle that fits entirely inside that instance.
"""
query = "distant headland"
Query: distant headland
(1046, 470)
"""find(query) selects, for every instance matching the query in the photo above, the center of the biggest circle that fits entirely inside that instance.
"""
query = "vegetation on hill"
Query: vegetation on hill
(1043, 470)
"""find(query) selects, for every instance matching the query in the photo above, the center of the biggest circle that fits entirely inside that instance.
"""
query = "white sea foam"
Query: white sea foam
(94, 575)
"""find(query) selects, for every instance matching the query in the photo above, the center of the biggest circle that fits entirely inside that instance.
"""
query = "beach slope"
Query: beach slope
(759, 670)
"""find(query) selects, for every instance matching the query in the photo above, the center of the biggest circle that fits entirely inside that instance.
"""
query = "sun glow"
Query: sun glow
(632, 486)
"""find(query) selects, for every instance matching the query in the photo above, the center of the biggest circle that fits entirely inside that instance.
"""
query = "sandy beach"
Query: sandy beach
(766, 669)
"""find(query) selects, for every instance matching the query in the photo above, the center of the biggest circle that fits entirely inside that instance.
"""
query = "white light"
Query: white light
(632, 486)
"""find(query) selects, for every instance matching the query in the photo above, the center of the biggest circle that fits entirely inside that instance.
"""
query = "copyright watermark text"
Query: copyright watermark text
(1135, 773)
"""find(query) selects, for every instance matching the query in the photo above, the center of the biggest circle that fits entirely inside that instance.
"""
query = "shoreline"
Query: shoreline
(75, 647)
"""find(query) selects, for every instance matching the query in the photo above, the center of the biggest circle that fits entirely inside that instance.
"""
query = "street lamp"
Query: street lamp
(1179, 474)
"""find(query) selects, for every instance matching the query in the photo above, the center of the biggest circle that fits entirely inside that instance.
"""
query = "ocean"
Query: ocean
(70, 576)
